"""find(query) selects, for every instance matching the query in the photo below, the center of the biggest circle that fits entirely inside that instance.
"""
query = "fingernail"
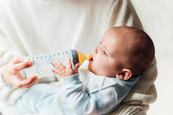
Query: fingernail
(29, 63)
(35, 77)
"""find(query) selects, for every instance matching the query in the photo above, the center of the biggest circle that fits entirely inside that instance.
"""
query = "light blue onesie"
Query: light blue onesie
(90, 95)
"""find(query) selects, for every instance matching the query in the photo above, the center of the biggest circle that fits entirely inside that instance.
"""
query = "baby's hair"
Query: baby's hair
(141, 51)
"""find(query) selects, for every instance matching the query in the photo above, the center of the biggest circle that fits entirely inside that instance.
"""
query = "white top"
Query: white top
(32, 27)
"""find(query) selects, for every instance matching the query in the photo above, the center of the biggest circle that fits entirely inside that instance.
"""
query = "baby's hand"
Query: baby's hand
(63, 71)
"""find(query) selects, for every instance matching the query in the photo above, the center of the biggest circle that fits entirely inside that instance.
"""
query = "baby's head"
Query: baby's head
(123, 52)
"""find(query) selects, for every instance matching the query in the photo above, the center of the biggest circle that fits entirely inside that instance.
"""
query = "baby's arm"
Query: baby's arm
(82, 102)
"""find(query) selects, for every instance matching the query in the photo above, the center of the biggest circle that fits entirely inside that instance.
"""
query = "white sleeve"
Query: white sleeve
(7, 53)
(7, 109)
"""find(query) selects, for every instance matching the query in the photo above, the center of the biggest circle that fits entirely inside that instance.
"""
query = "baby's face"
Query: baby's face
(106, 56)
(123, 52)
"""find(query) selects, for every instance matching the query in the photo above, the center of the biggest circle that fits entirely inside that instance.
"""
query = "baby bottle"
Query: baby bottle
(42, 64)
(78, 57)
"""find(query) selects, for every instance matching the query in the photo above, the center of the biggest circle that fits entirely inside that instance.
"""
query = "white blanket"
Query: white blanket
(32, 27)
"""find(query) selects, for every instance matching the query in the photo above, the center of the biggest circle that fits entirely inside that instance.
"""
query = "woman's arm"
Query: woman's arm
(10, 72)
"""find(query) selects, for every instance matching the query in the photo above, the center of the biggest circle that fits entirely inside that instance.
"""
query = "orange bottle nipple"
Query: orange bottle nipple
(82, 57)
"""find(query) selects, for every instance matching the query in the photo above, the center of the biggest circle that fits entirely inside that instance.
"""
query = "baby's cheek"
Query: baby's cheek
(99, 69)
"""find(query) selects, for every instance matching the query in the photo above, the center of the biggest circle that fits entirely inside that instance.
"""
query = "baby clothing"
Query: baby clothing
(94, 95)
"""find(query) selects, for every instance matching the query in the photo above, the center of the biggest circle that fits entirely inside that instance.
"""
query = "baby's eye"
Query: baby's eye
(105, 53)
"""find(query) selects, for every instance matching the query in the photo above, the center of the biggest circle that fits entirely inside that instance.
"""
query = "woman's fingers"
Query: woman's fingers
(23, 65)
(26, 82)
(19, 76)
(32, 84)
(12, 75)
(17, 60)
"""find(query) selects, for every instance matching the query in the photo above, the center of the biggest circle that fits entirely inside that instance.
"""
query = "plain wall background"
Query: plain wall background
(157, 19)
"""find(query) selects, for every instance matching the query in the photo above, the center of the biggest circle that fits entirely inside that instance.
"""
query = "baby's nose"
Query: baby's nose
(95, 50)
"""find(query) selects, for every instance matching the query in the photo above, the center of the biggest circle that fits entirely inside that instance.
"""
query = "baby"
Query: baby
(105, 80)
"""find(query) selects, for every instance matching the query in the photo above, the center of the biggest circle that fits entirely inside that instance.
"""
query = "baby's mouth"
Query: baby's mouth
(91, 59)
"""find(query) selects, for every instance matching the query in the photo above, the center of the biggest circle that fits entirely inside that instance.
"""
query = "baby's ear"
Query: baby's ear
(125, 74)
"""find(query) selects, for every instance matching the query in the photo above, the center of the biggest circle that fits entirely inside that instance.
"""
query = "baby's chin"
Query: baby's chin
(96, 72)
(90, 68)
(93, 69)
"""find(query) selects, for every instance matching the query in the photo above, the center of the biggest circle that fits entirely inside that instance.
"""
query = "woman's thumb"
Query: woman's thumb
(23, 65)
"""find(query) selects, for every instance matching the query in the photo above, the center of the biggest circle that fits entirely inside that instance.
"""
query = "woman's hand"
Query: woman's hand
(63, 71)
(12, 75)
